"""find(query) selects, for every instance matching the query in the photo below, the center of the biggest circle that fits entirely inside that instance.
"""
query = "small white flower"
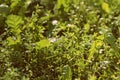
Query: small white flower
(54, 22)
(9, 69)
(104, 67)
(3, 5)
(52, 39)
(74, 42)
(100, 32)
(106, 62)
(101, 51)
(70, 25)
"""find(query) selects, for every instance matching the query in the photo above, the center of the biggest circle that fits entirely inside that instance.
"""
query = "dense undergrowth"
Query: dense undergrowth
(59, 39)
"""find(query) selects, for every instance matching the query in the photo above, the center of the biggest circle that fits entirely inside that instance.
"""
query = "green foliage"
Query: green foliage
(105, 7)
(42, 44)
(59, 40)
(67, 73)
(13, 21)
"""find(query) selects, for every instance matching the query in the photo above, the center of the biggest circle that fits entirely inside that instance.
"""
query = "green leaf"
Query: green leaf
(118, 1)
(87, 27)
(14, 3)
(14, 21)
(1, 19)
(43, 43)
(67, 73)
(10, 41)
(60, 3)
(110, 39)
(92, 51)
(4, 9)
(105, 7)
(92, 77)
(13, 40)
